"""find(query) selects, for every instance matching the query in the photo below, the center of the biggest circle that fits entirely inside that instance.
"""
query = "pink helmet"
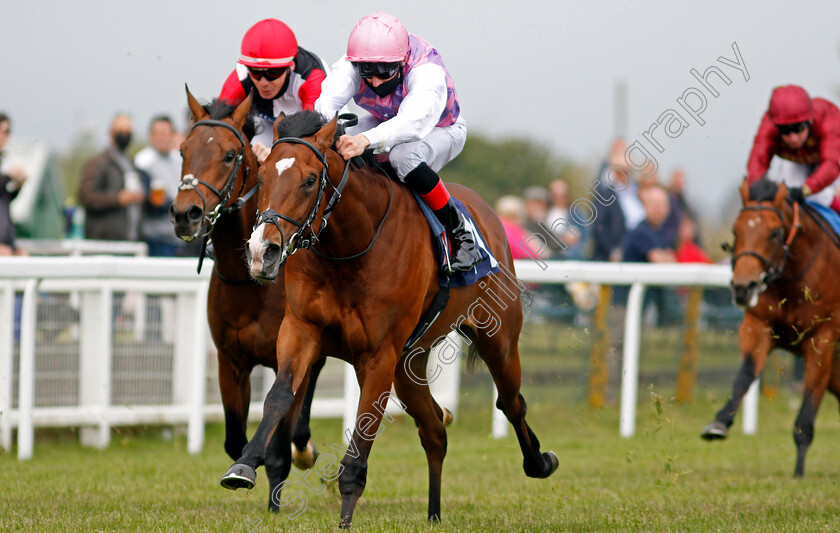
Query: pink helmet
(378, 38)
(790, 104)
(268, 44)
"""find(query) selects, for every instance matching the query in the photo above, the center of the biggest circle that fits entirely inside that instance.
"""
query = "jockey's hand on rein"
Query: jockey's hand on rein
(796, 194)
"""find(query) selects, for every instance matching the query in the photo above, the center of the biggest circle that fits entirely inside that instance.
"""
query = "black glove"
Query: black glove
(795, 194)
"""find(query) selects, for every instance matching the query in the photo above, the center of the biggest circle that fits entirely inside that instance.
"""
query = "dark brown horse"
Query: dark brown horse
(358, 293)
(217, 194)
(783, 274)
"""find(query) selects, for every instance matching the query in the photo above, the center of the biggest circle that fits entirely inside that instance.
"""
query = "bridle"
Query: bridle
(300, 239)
(226, 192)
(775, 265)
(190, 184)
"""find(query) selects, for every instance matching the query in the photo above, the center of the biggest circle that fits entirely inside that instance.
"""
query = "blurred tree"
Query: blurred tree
(496, 168)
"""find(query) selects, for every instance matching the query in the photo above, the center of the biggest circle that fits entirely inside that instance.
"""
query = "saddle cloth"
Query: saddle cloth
(828, 214)
(488, 264)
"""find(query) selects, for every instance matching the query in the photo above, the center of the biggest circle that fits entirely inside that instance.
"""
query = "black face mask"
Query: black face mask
(388, 87)
(122, 140)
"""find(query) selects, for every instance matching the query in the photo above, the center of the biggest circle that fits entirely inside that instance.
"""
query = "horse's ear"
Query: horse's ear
(197, 111)
(745, 191)
(280, 118)
(241, 111)
(781, 195)
(326, 135)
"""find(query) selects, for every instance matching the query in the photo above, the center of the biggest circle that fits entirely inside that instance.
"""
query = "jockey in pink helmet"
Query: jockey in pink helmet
(401, 81)
(285, 78)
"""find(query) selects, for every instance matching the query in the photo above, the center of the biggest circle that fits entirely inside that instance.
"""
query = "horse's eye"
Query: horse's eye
(775, 234)
(230, 156)
(309, 183)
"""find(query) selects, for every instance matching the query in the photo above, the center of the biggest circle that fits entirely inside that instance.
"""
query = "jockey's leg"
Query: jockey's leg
(417, 164)
(428, 185)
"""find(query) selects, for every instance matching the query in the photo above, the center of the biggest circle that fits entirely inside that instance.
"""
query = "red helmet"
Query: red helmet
(378, 38)
(268, 44)
(790, 104)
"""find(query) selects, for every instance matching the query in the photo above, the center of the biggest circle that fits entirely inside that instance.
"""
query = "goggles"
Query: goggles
(270, 74)
(383, 71)
(785, 129)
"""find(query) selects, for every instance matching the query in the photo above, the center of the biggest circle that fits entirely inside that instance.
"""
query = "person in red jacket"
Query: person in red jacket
(804, 131)
(285, 78)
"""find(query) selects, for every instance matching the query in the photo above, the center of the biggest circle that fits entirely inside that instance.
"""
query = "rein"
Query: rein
(297, 240)
(225, 193)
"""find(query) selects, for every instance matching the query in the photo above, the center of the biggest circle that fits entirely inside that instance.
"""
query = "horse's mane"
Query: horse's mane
(219, 109)
(303, 124)
(763, 190)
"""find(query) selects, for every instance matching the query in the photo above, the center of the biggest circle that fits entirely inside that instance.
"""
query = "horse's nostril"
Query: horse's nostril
(271, 253)
(195, 214)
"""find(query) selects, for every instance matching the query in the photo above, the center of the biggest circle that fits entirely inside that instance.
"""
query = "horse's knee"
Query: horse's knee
(803, 433)
(353, 477)
(279, 397)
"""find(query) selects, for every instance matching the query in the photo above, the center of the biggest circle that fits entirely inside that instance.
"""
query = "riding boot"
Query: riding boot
(464, 255)
(428, 185)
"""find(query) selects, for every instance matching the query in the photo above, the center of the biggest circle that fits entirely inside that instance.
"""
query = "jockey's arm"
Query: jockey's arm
(828, 168)
(763, 150)
(338, 88)
(419, 112)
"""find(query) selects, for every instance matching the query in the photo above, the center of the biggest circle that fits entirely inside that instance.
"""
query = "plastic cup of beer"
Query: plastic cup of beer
(157, 193)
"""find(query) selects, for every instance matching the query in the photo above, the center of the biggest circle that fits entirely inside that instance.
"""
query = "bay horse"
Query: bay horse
(218, 191)
(359, 288)
(783, 264)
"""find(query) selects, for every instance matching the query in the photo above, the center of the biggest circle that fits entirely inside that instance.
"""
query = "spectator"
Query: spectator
(536, 212)
(162, 162)
(650, 241)
(112, 190)
(619, 216)
(567, 231)
(282, 76)
(10, 183)
(653, 241)
(688, 251)
(511, 211)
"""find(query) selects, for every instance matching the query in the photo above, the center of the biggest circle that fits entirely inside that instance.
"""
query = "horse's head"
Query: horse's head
(216, 155)
(760, 251)
(293, 185)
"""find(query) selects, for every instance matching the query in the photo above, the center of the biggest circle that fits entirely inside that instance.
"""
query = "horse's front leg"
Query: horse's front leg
(296, 349)
(818, 352)
(235, 386)
(376, 374)
(756, 341)
(304, 453)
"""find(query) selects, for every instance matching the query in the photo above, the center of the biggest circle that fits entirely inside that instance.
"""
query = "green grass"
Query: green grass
(665, 478)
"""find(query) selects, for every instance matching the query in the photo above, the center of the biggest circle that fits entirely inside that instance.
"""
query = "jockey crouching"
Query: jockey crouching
(806, 132)
(284, 77)
(414, 116)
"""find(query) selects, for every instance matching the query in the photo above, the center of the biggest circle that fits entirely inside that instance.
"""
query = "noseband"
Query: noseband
(227, 190)
(775, 265)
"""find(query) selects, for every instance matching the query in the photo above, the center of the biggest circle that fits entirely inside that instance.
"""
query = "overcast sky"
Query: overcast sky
(544, 69)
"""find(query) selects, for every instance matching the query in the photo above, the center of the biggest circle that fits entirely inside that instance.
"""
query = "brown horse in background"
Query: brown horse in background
(783, 273)
(359, 291)
(218, 186)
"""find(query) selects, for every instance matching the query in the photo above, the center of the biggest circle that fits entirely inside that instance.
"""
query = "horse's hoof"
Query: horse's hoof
(552, 458)
(448, 417)
(304, 460)
(239, 476)
(715, 431)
